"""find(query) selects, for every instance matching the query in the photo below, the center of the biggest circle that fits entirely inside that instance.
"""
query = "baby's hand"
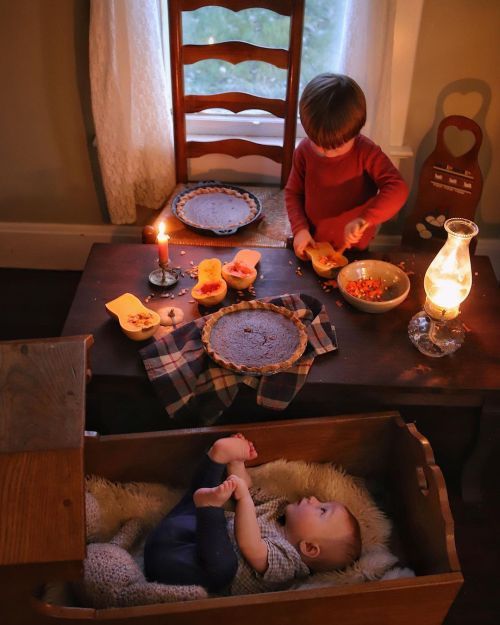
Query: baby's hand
(301, 240)
(353, 231)
(240, 487)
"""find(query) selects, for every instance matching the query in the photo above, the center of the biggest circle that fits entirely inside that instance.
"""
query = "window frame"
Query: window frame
(266, 126)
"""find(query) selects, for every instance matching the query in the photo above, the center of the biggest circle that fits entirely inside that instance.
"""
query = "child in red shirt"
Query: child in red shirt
(341, 186)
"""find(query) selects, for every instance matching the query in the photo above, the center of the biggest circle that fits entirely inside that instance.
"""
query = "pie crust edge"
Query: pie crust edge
(255, 305)
(253, 209)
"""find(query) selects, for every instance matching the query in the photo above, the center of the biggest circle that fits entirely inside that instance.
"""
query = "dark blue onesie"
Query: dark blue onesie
(192, 545)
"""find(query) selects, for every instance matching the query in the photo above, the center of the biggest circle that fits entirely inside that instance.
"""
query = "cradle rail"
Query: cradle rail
(379, 446)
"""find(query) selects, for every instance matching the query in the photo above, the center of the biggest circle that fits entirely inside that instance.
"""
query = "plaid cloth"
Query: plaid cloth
(186, 379)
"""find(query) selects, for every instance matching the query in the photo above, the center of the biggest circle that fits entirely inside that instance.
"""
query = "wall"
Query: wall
(457, 73)
(46, 172)
(48, 167)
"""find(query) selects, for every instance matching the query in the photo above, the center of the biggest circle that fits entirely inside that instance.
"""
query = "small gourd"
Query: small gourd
(326, 261)
(210, 289)
(137, 322)
(240, 273)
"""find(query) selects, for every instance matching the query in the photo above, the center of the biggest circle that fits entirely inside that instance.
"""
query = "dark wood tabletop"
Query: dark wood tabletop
(454, 399)
(374, 352)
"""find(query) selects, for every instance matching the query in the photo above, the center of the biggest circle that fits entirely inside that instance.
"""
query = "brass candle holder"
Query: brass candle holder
(165, 276)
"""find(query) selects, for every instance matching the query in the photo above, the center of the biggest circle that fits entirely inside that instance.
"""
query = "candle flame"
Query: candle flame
(162, 235)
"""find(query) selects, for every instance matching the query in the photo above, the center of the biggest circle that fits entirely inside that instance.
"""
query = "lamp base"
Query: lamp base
(433, 337)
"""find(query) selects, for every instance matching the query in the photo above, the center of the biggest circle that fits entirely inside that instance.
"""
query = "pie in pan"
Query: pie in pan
(216, 208)
(254, 337)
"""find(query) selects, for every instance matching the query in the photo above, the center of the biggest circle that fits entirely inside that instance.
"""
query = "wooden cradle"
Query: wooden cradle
(42, 526)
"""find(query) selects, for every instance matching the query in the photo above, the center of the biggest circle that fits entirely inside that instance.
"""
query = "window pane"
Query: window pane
(323, 24)
(214, 76)
(215, 24)
(321, 42)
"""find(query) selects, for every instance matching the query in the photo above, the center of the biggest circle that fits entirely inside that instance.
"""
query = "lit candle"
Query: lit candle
(162, 240)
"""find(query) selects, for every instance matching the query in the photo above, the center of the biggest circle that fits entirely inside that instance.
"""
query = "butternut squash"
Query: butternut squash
(326, 261)
(240, 273)
(210, 289)
(136, 321)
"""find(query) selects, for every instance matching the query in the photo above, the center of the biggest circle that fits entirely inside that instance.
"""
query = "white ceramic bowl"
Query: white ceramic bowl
(394, 278)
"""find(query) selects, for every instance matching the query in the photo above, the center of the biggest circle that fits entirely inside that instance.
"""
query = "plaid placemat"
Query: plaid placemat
(186, 378)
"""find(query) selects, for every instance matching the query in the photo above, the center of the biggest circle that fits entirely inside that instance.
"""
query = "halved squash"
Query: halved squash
(210, 289)
(240, 273)
(326, 261)
(136, 321)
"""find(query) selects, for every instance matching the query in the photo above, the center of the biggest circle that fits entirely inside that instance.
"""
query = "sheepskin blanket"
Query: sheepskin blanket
(293, 480)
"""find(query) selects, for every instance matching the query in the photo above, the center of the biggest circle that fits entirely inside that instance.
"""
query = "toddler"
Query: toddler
(266, 544)
(341, 186)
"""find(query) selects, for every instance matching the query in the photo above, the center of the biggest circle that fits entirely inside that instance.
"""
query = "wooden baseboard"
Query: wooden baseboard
(66, 246)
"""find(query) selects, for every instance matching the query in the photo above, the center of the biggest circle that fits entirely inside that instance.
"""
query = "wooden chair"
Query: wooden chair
(273, 230)
(449, 186)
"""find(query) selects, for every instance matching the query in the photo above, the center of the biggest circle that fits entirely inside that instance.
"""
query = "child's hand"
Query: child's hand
(353, 231)
(301, 240)
(240, 487)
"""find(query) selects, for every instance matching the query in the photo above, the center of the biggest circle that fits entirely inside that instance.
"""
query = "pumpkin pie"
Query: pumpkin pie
(254, 337)
(216, 208)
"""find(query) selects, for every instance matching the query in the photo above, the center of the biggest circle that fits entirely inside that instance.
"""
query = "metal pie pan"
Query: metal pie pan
(218, 231)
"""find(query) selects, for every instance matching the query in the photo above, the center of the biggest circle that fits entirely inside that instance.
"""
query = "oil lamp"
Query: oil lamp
(436, 331)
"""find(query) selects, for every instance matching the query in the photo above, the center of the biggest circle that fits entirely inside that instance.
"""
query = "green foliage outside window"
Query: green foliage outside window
(322, 31)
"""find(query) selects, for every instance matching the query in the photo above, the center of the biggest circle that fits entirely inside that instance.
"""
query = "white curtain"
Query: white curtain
(366, 56)
(131, 105)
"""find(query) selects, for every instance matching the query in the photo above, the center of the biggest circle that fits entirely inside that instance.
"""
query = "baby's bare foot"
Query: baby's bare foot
(233, 449)
(214, 496)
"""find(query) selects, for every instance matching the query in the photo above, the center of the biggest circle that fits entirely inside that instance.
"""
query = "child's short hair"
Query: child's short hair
(332, 110)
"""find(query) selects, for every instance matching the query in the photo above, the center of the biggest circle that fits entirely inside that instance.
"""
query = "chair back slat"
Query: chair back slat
(234, 147)
(235, 102)
(283, 7)
(235, 52)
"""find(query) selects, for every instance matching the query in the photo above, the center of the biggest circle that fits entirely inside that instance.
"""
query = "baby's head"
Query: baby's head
(326, 534)
(332, 110)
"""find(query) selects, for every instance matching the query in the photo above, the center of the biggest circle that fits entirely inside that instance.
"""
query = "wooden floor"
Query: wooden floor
(35, 304)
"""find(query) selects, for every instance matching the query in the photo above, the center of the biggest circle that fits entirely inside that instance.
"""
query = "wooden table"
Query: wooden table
(376, 365)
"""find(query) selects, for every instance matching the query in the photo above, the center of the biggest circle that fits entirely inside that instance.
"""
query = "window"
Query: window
(320, 47)
(323, 32)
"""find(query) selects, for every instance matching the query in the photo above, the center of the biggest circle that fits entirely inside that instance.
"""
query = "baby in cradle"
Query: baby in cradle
(267, 543)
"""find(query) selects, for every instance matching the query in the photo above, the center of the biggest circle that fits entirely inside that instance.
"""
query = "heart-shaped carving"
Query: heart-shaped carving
(458, 142)
(466, 104)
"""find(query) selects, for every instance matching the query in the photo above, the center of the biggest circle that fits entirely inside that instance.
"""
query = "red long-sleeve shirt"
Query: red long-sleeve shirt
(324, 193)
